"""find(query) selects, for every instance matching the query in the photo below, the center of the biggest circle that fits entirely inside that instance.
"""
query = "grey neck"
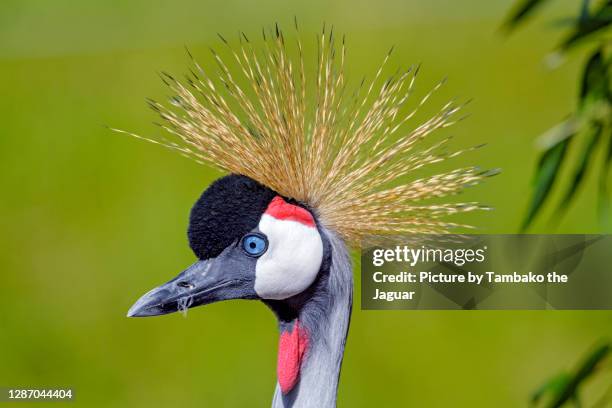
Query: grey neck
(326, 317)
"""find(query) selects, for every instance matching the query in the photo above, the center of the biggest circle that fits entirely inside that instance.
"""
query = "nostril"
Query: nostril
(185, 284)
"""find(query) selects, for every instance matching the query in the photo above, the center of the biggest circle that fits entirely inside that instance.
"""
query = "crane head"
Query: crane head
(251, 243)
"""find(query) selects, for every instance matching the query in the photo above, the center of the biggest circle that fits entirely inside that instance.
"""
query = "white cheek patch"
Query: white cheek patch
(292, 260)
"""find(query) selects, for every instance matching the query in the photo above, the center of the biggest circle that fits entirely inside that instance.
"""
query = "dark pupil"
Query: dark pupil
(254, 245)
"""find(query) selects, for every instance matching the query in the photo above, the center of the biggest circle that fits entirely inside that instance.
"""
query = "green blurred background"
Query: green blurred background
(92, 219)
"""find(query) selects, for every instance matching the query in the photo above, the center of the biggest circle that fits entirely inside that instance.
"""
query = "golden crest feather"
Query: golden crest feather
(339, 154)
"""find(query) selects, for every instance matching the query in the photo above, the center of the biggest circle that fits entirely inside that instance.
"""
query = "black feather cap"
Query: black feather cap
(228, 209)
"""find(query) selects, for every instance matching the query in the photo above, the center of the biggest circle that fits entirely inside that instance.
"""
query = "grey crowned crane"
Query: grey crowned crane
(311, 171)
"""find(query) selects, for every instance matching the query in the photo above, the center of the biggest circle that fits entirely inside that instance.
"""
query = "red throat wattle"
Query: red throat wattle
(291, 348)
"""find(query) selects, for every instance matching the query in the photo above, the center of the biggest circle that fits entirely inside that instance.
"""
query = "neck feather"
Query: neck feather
(324, 316)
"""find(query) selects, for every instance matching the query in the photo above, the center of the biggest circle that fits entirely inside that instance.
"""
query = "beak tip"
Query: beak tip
(142, 312)
(133, 312)
(146, 306)
(141, 308)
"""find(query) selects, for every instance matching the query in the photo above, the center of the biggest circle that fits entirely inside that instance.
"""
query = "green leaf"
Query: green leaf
(593, 137)
(595, 85)
(589, 25)
(564, 387)
(521, 12)
(584, 371)
(591, 362)
(548, 168)
(594, 90)
(553, 386)
(604, 191)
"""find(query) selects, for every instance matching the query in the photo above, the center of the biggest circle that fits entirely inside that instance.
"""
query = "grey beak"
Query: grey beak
(203, 282)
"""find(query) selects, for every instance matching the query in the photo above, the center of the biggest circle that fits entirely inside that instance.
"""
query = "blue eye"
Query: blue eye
(254, 244)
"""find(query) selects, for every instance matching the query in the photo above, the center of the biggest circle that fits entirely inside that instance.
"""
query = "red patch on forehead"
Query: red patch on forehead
(291, 348)
(282, 210)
